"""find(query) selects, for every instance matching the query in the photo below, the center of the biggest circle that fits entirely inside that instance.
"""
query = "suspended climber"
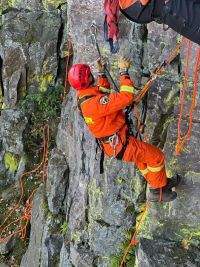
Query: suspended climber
(180, 15)
(103, 113)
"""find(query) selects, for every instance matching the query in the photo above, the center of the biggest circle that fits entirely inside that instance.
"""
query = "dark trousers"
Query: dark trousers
(183, 16)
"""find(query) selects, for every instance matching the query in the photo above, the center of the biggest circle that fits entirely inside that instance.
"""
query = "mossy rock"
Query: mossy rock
(11, 161)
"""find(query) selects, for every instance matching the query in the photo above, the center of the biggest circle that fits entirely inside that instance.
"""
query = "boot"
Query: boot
(156, 196)
(174, 181)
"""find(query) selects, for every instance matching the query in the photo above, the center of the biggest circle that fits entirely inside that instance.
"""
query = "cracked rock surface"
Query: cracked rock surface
(81, 218)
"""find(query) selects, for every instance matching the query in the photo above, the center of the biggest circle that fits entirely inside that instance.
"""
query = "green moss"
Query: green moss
(64, 228)
(5, 4)
(120, 180)
(136, 262)
(170, 99)
(76, 236)
(144, 229)
(45, 109)
(172, 166)
(1, 98)
(44, 82)
(11, 161)
(52, 4)
(96, 195)
(191, 235)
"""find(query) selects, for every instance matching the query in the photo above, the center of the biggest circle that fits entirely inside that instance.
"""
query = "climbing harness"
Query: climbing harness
(26, 210)
(93, 30)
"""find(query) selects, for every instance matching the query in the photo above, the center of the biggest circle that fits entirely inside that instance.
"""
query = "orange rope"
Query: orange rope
(150, 82)
(161, 195)
(180, 144)
(68, 53)
(158, 72)
(25, 218)
(133, 241)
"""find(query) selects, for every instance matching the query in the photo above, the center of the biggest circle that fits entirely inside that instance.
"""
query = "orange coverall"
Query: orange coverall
(126, 3)
(104, 116)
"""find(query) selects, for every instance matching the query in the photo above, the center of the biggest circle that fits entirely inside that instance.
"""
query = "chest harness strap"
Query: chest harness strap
(113, 139)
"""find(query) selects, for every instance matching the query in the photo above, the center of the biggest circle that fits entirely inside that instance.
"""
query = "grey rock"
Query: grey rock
(32, 5)
(80, 258)
(96, 206)
(57, 181)
(12, 126)
(3, 265)
(154, 253)
(45, 245)
(64, 258)
(33, 254)
(7, 246)
(30, 40)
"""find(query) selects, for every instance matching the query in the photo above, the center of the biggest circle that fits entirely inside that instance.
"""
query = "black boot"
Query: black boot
(161, 194)
(174, 181)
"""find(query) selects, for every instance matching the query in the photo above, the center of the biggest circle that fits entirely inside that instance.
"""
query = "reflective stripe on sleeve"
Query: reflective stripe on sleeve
(125, 88)
(145, 171)
(157, 169)
(104, 89)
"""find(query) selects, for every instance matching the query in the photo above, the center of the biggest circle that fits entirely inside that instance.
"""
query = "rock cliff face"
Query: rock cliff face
(79, 217)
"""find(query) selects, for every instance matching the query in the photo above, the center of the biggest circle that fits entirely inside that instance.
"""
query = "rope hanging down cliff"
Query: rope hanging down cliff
(180, 143)
(19, 224)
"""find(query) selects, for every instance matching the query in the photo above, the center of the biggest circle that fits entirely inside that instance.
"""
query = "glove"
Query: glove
(101, 63)
(124, 64)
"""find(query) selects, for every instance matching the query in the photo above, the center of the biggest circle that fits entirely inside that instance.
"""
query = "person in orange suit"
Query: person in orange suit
(180, 15)
(103, 113)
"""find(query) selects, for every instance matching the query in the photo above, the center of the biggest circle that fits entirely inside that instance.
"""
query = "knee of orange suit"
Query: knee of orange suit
(157, 179)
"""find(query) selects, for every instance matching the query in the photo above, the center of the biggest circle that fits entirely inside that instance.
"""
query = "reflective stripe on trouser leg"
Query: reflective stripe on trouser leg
(155, 169)
(155, 176)
(157, 179)
(143, 169)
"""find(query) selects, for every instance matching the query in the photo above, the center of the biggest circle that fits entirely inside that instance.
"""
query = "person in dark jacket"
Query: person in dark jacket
(180, 15)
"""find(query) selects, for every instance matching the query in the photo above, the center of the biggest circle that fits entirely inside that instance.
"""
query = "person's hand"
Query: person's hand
(124, 63)
(101, 63)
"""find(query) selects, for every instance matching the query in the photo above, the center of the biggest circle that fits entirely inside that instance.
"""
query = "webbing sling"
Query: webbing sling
(83, 99)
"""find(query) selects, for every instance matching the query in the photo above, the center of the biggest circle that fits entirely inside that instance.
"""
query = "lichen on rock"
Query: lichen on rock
(11, 161)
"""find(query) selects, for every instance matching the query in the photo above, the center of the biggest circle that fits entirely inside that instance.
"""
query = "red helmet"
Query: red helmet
(78, 76)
